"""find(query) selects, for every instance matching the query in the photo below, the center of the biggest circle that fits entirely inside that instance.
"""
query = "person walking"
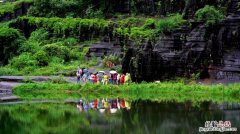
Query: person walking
(84, 77)
(122, 79)
(100, 77)
(105, 79)
(81, 74)
(111, 78)
(127, 79)
(95, 78)
(78, 76)
(91, 78)
(118, 79)
(115, 79)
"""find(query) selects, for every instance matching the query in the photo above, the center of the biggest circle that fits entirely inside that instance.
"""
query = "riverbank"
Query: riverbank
(165, 91)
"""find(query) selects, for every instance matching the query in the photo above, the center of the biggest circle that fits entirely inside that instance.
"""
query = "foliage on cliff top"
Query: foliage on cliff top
(73, 25)
(130, 28)
(9, 7)
(147, 28)
(209, 15)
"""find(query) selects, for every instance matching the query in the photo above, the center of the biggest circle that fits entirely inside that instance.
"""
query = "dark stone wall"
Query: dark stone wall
(214, 52)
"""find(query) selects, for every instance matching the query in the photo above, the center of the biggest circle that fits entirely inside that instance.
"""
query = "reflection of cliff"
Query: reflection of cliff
(172, 118)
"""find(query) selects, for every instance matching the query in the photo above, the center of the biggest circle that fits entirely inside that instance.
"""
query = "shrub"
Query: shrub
(10, 42)
(90, 13)
(109, 61)
(22, 61)
(31, 47)
(209, 15)
(42, 58)
(38, 35)
(149, 24)
(70, 41)
(57, 50)
(170, 23)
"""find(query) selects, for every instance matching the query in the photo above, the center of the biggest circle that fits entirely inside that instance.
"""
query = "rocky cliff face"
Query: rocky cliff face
(212, 52)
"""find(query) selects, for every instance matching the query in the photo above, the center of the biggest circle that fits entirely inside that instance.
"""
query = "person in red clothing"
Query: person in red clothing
(95, 78)
(122, 79)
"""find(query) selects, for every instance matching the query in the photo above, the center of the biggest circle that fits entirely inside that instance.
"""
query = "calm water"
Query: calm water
(132, 117)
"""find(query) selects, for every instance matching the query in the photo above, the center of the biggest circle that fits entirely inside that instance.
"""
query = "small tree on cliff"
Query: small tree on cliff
(209, 15)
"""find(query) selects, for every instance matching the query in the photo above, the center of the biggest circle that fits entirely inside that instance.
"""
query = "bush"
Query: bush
(57, 50)
(10, 42)
(209, 15)
(90, 13)
(22, 61)
(109, 61)
(38, 35)
(70, 41)
(42, 58)
(30, 47)
(170, 23)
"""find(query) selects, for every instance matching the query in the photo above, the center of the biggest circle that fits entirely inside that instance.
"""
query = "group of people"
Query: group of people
(102, 78)
(103, 104)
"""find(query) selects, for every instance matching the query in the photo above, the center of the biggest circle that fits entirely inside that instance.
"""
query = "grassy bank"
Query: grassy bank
(166, 91)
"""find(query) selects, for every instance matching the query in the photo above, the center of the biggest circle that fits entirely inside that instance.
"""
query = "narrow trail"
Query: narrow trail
(7, 83)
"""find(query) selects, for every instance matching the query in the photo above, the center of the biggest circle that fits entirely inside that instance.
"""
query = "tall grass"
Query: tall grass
(166, 91)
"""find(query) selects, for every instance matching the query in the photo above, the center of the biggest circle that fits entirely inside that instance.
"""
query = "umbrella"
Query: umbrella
(101, 72)
(112, 72)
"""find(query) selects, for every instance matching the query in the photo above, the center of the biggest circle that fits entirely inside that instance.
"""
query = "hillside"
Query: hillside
(151, 39)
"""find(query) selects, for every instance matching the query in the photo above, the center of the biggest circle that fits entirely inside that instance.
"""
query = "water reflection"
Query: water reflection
(103, 105)
(131, 117)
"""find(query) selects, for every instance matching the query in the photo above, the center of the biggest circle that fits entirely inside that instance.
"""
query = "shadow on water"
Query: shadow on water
(117, 117)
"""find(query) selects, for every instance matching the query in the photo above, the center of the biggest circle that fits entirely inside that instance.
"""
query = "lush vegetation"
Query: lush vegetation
(166, 91)
(130, 28)
(11, 7)
(138, 29)
(39, 54)
(64, 29)
(10, 41)
(70, 26)
(56, 46)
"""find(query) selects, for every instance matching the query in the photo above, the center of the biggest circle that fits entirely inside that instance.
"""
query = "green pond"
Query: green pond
(115, 116)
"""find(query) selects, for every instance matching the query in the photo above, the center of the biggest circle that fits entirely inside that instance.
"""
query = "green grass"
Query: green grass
(166, 91)
(67, 69)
